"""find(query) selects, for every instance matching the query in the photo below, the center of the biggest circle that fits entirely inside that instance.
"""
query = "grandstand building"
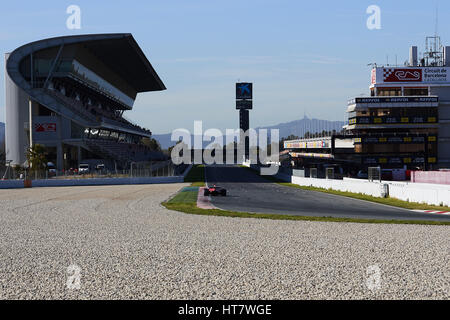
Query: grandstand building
(405, 122)
(70, 94)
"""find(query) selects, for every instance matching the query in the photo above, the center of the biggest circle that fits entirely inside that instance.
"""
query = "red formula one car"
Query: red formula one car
(215, 191)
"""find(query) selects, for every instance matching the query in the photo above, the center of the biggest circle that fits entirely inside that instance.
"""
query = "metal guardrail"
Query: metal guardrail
(374, 174)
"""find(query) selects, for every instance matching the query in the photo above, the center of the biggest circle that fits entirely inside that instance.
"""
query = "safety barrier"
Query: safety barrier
(438, 177)
(11, 184)
(433, 194)
(14, 184)
(374, 189)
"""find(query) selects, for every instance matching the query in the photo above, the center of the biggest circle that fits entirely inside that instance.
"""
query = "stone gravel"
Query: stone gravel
(127, 246)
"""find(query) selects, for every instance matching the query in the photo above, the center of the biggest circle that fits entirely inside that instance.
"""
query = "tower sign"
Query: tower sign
(244, 103)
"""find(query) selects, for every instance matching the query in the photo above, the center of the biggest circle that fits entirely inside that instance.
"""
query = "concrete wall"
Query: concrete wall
(433, 194)
(375, 189)
(17, 115)
(293, 172)
(10, 184)
(105, 181)
(437, 177)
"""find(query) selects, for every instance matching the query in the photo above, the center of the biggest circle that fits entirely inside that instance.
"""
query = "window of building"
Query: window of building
(389, 92)
(44, 112)
(76, 131)
(383, 112)
(416, 91)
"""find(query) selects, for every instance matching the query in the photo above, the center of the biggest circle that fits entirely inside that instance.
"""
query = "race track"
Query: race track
(249, 192)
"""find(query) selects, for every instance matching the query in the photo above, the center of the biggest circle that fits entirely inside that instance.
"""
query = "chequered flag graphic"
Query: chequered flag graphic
(387, 73)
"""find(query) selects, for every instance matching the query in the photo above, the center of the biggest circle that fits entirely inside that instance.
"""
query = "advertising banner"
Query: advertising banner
(424, 75)
(308, 144)
(244, 90)
(244, 104)
(392, 120)
(45, 127)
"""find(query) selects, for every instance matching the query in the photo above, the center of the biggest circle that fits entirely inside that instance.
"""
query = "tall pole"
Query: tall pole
(244, 102)
(30, 121)
(244, 124)
(30, 105)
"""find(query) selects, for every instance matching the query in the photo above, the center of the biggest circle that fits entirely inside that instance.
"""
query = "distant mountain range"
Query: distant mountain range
(296, 128)
(300, 127)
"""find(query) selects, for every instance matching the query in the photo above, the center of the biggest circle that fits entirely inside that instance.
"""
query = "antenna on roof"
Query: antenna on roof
(436, 21)
(433, 55)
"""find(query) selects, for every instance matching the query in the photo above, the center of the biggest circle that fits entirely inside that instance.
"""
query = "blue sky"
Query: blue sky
(303, 56)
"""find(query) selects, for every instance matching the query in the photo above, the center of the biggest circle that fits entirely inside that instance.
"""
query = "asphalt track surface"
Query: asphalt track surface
(249, 192)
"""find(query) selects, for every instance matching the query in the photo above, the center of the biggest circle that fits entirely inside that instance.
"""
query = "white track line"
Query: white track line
(433, 211)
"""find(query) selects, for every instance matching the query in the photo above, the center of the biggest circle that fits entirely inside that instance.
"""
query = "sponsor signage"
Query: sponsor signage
(395, 139)
(244, 90)
(373, 76)
(244, 95)
(392, 120)
(311, 155)
(427, 75)
(244, 104)
(402, 75)
(393, 100)
(307, 144)
(395, 160)
(45, 127)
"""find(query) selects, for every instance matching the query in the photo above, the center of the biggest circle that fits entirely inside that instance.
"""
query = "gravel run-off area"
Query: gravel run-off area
(118, 242)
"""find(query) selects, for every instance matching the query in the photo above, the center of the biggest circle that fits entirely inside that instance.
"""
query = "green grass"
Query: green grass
(387, 201)
(185, 196)
(191, 208)
(196, 176)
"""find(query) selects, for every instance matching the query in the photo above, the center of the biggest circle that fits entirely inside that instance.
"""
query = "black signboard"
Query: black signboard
(393, 160)
(371, 140)
(392, 120)
(393, 100)
(244, 90)
(401, 139)
(393, 140)
(244, 104)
